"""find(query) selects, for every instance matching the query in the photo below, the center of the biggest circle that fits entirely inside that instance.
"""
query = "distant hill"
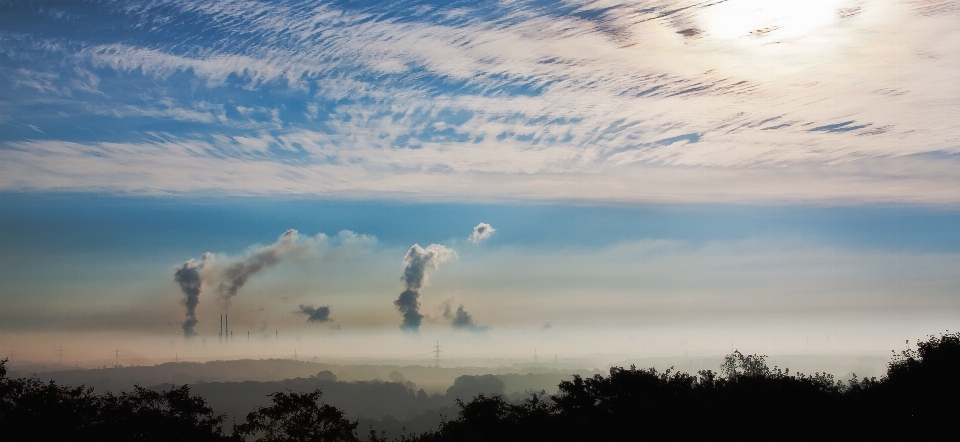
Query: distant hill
(433, 380)
(388, 397)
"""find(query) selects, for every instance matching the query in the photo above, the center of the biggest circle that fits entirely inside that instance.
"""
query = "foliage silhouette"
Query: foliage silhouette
(917, 398)
(157, 415)
(33, 410)
(298, 417)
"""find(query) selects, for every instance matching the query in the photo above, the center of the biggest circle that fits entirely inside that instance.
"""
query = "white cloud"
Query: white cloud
(433, 172)
(854, 106)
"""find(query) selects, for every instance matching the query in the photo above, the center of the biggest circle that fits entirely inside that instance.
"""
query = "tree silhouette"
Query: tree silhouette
(33, 410)
(916, 399)
(298, 417)
(171, 415)
(918, 396)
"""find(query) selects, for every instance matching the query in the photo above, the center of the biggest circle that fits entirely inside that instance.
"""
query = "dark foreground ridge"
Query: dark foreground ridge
(918, 397)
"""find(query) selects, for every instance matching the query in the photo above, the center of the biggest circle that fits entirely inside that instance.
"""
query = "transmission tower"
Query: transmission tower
(116, 362)
(436, 354)
(60, 356)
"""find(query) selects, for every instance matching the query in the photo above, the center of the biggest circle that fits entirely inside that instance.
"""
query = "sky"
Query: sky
(364, 179)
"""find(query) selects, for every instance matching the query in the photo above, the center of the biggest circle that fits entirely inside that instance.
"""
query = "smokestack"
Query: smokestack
(417, 261)
(221, 329)
(226, 327)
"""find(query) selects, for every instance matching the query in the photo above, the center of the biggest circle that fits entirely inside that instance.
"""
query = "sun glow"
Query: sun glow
(769, 19)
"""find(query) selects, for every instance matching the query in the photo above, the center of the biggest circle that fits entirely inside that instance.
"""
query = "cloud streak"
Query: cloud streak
(574, 98)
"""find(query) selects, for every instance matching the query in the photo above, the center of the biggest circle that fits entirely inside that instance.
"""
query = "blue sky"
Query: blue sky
(731, 164)
(651, 102)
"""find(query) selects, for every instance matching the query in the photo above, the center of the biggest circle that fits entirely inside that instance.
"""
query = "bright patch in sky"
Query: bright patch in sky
(770, 19)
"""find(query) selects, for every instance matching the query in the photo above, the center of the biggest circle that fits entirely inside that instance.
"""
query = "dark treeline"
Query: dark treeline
(517, 379)
(917, 397)
(396, 407)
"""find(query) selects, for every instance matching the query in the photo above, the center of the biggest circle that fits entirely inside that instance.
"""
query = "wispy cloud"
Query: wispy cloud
(668, 102)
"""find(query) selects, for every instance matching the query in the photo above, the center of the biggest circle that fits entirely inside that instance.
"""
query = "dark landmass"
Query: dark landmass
(379, 396)
(434, 380)
(915, 399)
(387, 406)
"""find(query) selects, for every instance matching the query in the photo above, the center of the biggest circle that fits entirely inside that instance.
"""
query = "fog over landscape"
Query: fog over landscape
(383, 199)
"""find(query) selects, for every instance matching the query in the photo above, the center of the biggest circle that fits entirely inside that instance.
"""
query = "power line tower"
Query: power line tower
(60, 356)
(436, 354)
(116, 362)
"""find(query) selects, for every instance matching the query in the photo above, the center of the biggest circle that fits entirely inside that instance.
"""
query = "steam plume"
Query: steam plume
(237, 274)
(417, 261)
(408, 304)
(190, 281)
(481, 232)
(460, 319)
(316, 314)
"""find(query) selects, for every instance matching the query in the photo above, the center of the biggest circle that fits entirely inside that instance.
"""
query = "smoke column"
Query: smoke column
(238, 273)
(481, 232)
(416, 262)
(188, 276)
(460, 319)
(316, 314)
